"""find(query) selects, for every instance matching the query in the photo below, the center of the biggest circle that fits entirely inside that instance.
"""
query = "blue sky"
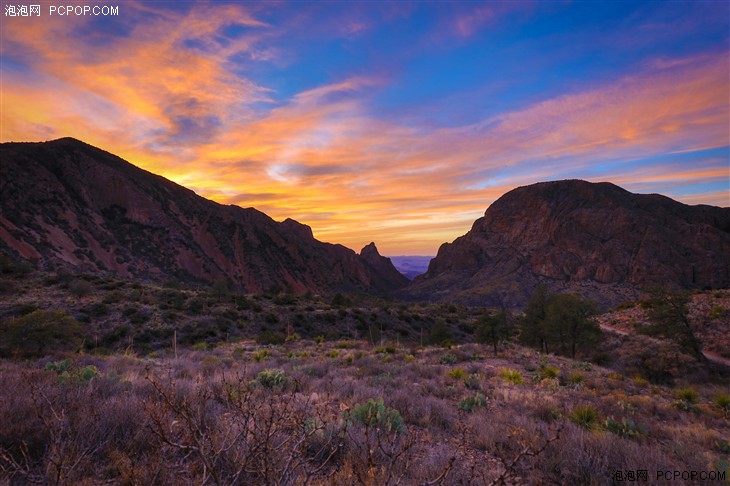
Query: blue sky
(393, 122)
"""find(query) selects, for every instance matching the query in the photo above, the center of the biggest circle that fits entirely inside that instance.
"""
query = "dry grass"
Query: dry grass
(237, 412)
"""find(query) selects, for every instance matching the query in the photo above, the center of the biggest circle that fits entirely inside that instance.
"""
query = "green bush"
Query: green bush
(722, 400)
(272, 379)
(385, 349)
(511, 376)
(67, 372)
(457, 374)
(374, 414)
(448, 358)
(585, 416)
(625, 428)
(40, 332)
(261, 355)
(473, 402)
(687, 394)
(440, 334)
(549, 372)
(575, 378)
(270, 338)
(80, 288)
(717, 312)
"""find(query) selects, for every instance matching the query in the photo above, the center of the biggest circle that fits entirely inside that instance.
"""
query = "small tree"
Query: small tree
(569, 321)
(221, 290)
(669, 312)
(80, 288)
(493, 329)
(533, 325)
(440, 334)
(40, 332)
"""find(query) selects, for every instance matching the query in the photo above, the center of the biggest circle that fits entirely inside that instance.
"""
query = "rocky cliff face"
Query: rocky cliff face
(67, 204)
(387, 275)
(574, 236)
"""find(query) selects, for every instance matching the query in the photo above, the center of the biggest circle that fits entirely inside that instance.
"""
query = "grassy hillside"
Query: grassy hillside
(356, 395)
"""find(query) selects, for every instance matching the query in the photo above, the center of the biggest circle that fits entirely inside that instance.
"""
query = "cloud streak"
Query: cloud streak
(167, 97)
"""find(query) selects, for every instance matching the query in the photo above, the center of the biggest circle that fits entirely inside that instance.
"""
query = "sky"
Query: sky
(384, 121)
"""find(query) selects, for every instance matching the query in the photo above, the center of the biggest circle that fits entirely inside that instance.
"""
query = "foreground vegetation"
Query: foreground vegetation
(344, 412)
(146, 384)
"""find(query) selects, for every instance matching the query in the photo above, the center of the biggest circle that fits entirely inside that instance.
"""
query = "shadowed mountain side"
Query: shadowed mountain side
(67, 204)
(595, 239)
(382, 267)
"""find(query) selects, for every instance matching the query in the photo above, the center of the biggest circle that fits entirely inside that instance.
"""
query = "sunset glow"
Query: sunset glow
(397, 123)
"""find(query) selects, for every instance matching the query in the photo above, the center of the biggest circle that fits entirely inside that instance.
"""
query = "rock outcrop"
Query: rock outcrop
(595, 239)
(387, 275)
(67, 204)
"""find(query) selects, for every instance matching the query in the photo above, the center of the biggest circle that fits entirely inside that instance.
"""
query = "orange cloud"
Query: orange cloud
(323, 157)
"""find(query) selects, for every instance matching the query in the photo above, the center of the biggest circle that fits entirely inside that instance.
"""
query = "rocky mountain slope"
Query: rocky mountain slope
(67, 204)
(598, 240)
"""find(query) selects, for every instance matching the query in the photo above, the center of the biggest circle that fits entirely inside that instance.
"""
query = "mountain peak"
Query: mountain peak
(370, 250)
(596, 239)
(67, 204)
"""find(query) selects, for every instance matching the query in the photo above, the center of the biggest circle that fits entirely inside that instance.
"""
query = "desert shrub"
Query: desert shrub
(99, 309)
(686, 399)
(717, 312)
(550, 372)
(511, 376)
(272, 379)
(687, 394)
(385, 349)
(201, 346)
(583, 365)
(270, 338)
(440, 334)
(332, 353)
(448, 358)
(40, 332)
(196, 305)
(629, 304)
(457, 374)
(284, 299)
(271, 318)
(170, 298)
(319, 339)
(80, 288)
(13, 268)
(260, 355)
(625, 427)
(722, 401)
(293, 337)
(374, 414)
(68, 372)
(575, 378)
(473, 402)
(472, 381)
(585, 416)
(340, 300)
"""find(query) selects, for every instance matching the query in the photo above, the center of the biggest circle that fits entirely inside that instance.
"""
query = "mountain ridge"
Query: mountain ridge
(68, 204)
(595, 239)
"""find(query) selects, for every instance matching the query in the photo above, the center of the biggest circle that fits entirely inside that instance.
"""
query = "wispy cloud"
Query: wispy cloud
(167, 96)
